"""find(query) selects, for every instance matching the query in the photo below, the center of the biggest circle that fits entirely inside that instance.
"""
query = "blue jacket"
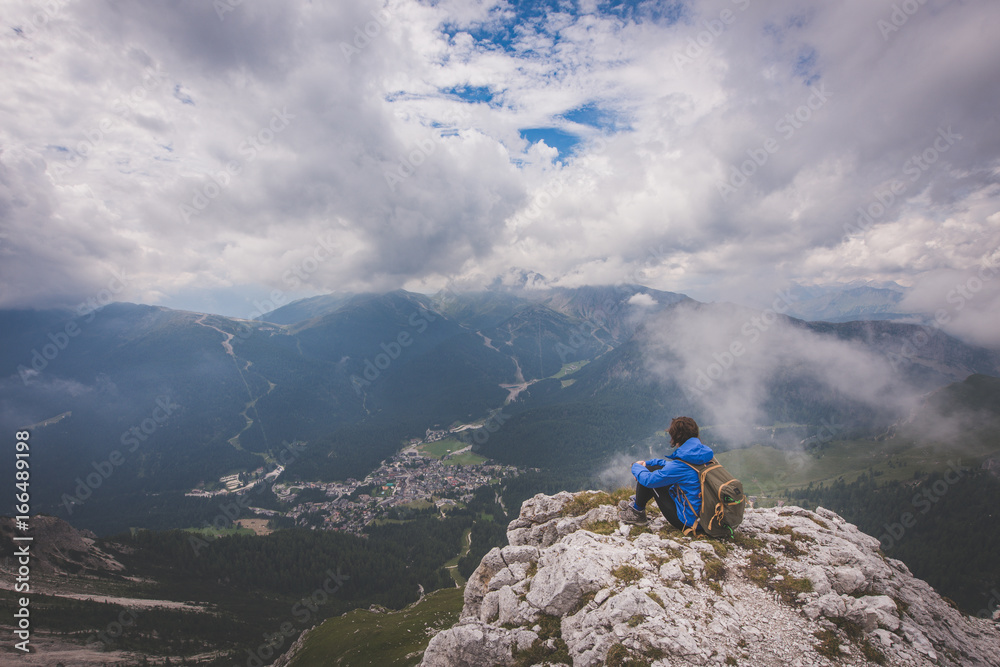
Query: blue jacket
(676, 475)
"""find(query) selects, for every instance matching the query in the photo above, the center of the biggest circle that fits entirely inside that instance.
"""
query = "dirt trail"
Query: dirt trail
(487, 341)
(227, 345)
(520, 385)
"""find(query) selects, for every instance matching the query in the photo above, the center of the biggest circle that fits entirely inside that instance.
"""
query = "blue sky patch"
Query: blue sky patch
(806, 65)
(640, 11)
(504, 33)
(563, 142)
(593, 116)
(471, 94)
(182, 96)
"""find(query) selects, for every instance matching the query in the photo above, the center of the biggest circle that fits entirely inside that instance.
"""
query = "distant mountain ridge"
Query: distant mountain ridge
(853, 301)
(352, 376)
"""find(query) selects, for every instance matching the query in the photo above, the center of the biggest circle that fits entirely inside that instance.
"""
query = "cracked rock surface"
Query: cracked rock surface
(795, 588)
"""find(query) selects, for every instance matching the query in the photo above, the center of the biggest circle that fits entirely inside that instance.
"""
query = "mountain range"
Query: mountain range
(157, 401)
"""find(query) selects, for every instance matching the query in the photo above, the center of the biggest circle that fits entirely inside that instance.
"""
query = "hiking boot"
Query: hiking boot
(629, 514)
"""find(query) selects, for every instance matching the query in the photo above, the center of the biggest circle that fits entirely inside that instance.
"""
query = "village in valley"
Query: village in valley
(437, 471)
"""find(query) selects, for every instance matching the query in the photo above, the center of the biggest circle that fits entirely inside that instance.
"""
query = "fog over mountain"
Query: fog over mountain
(354, 376)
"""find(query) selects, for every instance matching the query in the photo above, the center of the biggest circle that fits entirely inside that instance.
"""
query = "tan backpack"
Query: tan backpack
(722, 500)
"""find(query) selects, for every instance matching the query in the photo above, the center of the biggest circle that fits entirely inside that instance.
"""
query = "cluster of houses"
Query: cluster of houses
(407, 479)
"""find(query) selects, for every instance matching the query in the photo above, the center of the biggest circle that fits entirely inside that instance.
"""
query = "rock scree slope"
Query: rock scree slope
(576, 587)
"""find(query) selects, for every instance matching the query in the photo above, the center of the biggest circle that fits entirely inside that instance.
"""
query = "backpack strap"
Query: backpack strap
(694, 526)
(702, 475)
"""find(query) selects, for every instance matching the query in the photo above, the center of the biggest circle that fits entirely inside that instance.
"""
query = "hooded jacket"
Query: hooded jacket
(676, 475)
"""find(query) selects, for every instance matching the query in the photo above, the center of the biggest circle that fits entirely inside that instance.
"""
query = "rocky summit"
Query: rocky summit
(794, 587)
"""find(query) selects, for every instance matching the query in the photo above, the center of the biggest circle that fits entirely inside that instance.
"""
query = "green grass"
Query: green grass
(436, 450)
(766, 471)
(570, 368)
(627, 573)
(210, 531)
(383, 522)
(464, 459)
(601, 527)
(362, 637)
(418, 504)
(829, 644)
(453, 563)
(584, 502)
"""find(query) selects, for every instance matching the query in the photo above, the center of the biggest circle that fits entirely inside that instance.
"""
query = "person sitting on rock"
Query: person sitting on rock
(674, 484)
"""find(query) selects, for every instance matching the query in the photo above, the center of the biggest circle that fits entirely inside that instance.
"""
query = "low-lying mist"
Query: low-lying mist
(744, 371)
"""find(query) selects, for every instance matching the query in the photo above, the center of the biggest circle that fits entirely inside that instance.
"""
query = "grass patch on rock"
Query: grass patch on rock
(747, 542)
(550, 627)
(829, 644)
(638, 530)
(628, 574)
(762, 568)
(588, 500)
(793, 534)
(871, 653)
(583, 602)
(600, 527)
(619, 656)
(715, 569)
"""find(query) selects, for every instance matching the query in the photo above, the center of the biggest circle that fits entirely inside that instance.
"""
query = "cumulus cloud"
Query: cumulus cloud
(962, 303)
(642, 300)
(716, 154)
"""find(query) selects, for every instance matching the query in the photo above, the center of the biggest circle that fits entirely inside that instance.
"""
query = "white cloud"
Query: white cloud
(117, 114)
(642, 300)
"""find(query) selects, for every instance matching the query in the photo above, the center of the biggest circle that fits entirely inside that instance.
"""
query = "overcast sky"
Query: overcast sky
(209, 155)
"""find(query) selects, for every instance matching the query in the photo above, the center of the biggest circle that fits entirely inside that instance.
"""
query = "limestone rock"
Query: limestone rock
(663, 598)
(474, 644)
